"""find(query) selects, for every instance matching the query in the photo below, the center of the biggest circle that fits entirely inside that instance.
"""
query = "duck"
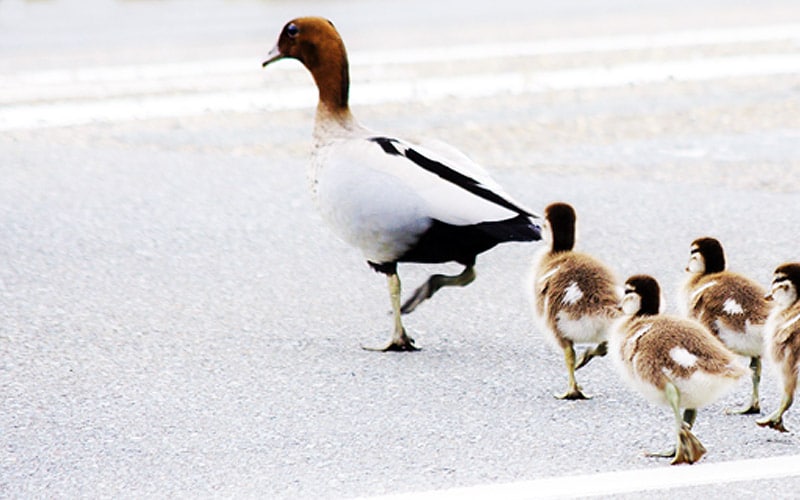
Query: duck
(575, 295)
(730, 305)
(782, 337)
(672, 361)
(396, 200)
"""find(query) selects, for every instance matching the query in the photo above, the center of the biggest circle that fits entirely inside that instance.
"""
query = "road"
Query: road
(176, 320)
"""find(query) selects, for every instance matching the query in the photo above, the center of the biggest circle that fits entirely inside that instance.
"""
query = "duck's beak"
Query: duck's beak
(768, 297)
(273, 56)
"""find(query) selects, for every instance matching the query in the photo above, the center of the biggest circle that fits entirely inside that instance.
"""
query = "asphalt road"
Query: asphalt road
(175, 319)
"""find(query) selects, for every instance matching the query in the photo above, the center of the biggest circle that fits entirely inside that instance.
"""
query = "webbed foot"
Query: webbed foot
(773, 422)
(753, 409)
(574, 394)
(689, 449)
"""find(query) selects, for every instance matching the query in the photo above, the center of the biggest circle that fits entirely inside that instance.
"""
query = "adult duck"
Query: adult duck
(395, 200)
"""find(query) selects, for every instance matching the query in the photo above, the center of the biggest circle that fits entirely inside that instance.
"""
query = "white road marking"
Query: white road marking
(78, 96)
(619, 482)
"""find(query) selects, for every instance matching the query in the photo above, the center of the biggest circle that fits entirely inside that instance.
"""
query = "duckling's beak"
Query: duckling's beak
(273, 56)
(768, 297)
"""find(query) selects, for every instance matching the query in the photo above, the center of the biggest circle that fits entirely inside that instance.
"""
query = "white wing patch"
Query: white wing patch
(683, 357)
(703, 288)
(572, 294)
(790, 322)
(732, 307)
(547, 275)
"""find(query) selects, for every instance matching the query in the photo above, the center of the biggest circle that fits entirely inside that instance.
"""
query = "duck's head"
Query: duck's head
(785, 285)
(642, 296)
(315, 42)
(560, 222)
(706, 256)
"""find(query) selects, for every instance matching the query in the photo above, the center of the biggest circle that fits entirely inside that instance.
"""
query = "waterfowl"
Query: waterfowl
(671, 361)
(782, 337)
(395, 200)
(730, 305)
(575, 295)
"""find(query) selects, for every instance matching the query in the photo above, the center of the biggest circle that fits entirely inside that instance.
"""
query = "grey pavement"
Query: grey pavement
(177, 321)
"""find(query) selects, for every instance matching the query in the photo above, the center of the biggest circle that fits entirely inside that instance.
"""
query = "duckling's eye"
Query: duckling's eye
(292, 30)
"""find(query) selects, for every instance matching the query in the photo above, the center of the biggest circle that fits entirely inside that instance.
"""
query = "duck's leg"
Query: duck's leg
(688, 448)
(597, 351)
(689, 416)
(434, 283)
(755, 406)
(400, 340)
(775, 420)
(573, 390)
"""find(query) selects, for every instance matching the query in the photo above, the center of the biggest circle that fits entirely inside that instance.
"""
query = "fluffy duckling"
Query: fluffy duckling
(395, 200)
(782, 340)
(575, 295)
(671, 361)
(730, 305)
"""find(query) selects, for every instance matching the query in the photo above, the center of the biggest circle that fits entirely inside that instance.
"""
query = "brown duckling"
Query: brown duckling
(671, 361)
(575, 295)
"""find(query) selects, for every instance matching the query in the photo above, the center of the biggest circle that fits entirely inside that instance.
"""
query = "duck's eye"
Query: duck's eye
(292, 30)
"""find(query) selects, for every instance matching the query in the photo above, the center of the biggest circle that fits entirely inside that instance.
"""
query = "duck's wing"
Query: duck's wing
(440, 184)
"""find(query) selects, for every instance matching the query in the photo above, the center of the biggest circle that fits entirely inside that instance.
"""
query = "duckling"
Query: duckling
(782, 337)
(671, 361)
(730, 305)
(395, 200)
(575, 295)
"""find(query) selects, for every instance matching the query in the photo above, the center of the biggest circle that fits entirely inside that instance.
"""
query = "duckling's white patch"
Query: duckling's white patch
(682, 357)
(583, 330)
(572, 294)
(791, 322)
(547, 275)
(749, 342)
(703, 288)
(732, 307)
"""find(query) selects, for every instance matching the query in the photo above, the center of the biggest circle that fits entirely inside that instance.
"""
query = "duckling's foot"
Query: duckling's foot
(753, 409)
(661, 454)
(773, 422)
(598, 351)
(689, 449)
(573, 394)
(403, 343)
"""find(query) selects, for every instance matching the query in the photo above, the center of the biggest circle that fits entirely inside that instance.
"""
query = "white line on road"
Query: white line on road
(78, 96)
(58, 114)
(619, 482)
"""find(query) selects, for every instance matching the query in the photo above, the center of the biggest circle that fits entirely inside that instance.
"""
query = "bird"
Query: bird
(397, 201)
(782, 337)
(575, 295)
(730, 305)
(670, 360)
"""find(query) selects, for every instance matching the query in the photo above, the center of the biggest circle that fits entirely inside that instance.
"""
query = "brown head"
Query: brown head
(706, 256)
(642, 296)
(561, 219)
(315, 42)
(785, 289)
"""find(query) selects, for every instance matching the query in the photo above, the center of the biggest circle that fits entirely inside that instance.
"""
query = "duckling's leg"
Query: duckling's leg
(597, 351)
(574, 390)
(689, 416)
(688, 449)
(434, 283)
(755, 406)
(400, 341)
(775, 420)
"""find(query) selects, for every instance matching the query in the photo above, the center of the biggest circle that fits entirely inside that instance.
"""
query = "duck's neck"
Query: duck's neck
(333, 82)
